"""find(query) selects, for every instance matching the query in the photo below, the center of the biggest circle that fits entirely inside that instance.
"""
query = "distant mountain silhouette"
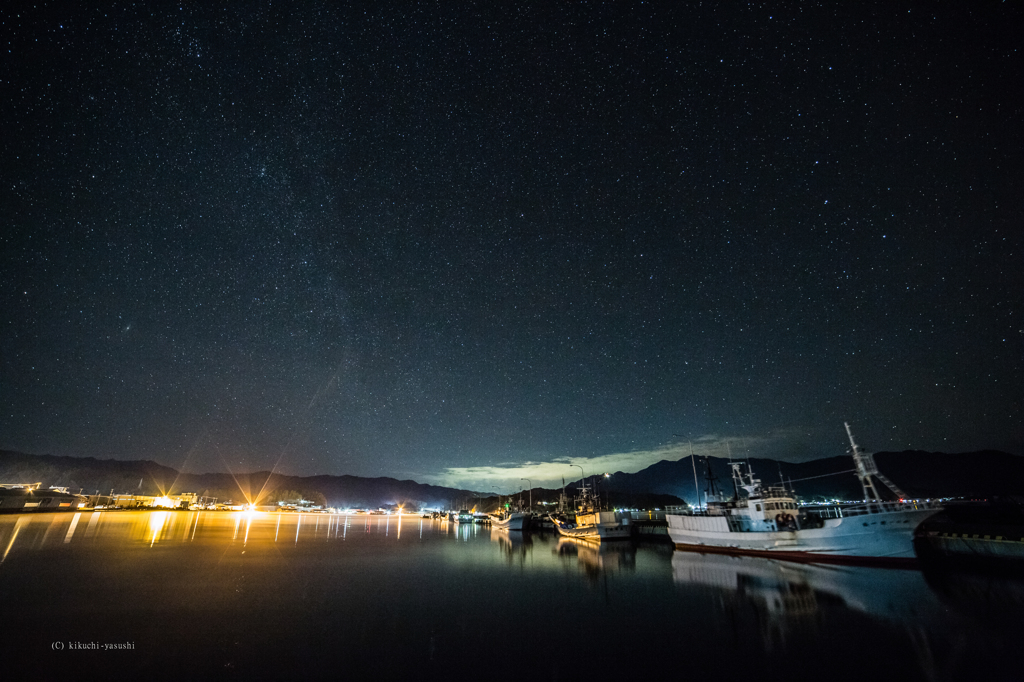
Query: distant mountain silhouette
(144, 477)
(919, 474)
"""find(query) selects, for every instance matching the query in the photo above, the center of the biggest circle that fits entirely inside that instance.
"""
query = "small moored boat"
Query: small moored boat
(591, 523)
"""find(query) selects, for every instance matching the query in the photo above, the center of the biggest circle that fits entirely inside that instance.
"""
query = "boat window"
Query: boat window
(758, 507)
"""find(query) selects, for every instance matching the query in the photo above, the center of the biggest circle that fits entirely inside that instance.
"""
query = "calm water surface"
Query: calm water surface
(211, 595)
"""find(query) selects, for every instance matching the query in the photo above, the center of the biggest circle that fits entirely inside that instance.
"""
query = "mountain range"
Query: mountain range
(144, 477)
(919, 474)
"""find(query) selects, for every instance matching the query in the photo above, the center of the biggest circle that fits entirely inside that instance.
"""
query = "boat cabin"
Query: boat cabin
(771, 508)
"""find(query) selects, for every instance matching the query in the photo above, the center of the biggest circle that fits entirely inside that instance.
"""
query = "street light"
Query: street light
(582, 475)
(605, 476)
(531, 491)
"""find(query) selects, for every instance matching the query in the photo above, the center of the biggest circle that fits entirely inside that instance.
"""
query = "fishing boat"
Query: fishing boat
(512, 515)
(767, 521)
(591, 523)
(508, 519)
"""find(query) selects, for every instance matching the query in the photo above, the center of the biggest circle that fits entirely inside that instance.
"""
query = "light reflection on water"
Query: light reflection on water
(256, 594)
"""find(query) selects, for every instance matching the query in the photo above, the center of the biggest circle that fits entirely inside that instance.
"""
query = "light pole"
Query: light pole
(531, 491)
(693, 463)
(583, 484)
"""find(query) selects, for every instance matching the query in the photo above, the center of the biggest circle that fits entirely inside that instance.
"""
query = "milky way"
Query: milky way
(394, 240)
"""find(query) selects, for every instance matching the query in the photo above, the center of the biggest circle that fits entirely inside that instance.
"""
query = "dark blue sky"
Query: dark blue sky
(419, 239)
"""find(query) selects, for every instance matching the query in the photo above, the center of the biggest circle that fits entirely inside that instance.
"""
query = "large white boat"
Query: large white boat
(768, 521)
(591, 523)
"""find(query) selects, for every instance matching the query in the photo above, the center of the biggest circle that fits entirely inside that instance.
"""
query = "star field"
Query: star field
(395, 240)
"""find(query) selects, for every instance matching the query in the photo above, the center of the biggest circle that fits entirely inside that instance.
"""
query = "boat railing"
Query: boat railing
(655, 515)
(691, 511)
(838, 511)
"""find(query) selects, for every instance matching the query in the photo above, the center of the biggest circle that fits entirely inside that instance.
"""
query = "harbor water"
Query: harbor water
(217, 595)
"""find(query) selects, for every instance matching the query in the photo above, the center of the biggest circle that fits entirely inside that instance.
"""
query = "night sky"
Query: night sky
(466, 243)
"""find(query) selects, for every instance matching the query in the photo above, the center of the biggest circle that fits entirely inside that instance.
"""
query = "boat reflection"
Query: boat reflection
(515, 546)
(788, 598)
(596, 558)
(789, 590)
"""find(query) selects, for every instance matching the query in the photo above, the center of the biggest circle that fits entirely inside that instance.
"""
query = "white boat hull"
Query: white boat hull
(886, 534)
(516, 521)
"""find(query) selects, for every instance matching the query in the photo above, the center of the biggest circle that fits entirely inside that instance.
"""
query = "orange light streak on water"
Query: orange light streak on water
(49, 529)
(71, 530)
(156, 524)
(14, 536)
(188, 527)
(90, 530)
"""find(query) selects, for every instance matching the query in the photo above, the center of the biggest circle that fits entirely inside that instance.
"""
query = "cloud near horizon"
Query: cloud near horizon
(507, 478)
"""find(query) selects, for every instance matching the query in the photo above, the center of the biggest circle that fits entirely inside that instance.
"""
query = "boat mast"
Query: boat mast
(866, 468)
(696, 487)
(711, 489)
(735, 486)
